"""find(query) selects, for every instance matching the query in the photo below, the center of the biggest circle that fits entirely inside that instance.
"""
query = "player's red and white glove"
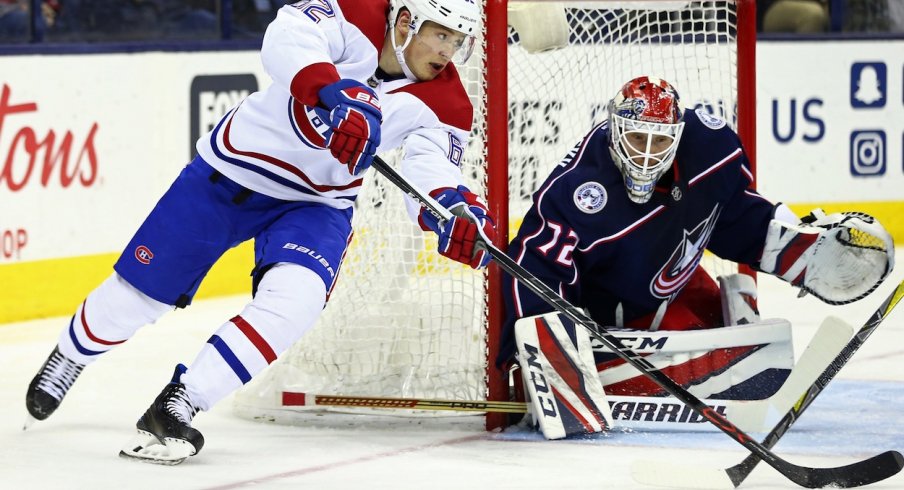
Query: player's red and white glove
(355, 118)
(458, 237)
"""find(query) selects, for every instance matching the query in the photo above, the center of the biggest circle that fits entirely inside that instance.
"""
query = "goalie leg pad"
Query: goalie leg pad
(737, 362)
(566, 396)
(839, 258)
(738, 292)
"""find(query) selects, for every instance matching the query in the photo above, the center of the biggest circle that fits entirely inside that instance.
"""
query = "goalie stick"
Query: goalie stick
(652, 413)
(861, 473)
(667, 474)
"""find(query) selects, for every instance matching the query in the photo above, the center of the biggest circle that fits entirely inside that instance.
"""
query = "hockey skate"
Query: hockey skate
(165, 435)
(49, 386)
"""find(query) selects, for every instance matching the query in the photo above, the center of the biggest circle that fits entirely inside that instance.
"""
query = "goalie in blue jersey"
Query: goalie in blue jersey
(619, 229)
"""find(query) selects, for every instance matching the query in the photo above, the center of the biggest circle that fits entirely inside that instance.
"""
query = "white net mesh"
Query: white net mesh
(404, 322)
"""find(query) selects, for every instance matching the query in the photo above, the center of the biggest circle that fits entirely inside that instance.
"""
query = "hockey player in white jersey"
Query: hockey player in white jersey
(349, 78)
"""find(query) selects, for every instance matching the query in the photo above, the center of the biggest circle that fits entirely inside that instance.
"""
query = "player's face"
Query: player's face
(640, 144)
(432, 49)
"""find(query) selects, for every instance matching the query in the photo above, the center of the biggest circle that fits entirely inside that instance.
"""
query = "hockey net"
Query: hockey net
(403, 321)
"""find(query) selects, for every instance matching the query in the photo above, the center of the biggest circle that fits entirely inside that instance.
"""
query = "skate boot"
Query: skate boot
(165, 434)
(49, 386)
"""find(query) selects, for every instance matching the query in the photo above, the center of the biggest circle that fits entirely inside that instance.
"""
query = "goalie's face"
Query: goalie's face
(645, 129)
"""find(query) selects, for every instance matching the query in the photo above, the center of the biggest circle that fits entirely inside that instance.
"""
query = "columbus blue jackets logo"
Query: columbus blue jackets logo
(684, 260)
(590, 197)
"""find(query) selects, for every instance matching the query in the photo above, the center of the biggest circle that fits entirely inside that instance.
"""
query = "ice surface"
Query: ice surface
(857, 416)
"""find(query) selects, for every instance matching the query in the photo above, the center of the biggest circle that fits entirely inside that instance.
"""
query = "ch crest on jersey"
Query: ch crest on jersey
(683, 261)
(310, 123)
(143, 254)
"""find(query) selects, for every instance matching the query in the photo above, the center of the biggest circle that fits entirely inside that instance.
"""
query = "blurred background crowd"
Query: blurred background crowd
(162, 20)
(133, 20)
(816, 16)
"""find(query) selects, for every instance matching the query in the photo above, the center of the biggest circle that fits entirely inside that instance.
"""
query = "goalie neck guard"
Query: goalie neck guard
(644, 129)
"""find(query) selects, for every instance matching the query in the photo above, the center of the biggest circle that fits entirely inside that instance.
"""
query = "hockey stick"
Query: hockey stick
(631, 412)
(864, 472)
(296, 399)
(665, 474)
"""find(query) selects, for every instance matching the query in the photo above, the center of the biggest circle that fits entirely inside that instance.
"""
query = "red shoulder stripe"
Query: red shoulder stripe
(446, 97)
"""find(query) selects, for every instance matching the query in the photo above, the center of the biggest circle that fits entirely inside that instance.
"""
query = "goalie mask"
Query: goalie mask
(461, 16)
(644, 130)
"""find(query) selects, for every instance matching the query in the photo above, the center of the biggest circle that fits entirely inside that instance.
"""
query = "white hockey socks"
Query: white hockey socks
(109, 316)
(556, 358)
(288, 302)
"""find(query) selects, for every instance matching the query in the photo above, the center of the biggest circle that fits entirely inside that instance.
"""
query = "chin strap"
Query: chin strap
(400, 53)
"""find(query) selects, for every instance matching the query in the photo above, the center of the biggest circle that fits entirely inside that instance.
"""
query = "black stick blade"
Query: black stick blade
(872, 470)
(675, 475)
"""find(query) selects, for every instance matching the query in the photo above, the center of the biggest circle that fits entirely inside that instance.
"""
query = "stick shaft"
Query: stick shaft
(546, 293)
(809, 477)
(742, 470)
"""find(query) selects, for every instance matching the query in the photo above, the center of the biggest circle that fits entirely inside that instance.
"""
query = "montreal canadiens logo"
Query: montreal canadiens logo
(709, 120)
(310, 124)
(590, 197)
(143, 254)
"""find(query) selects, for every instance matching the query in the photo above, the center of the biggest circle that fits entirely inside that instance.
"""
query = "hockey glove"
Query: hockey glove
(458, 237)
(839, 258)
(355, 118)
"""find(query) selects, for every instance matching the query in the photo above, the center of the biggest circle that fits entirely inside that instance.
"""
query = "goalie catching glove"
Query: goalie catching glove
(458, 237)
(354, 120)
(839, 258)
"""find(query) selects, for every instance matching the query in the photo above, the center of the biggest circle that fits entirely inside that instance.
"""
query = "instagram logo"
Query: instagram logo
(868, 152)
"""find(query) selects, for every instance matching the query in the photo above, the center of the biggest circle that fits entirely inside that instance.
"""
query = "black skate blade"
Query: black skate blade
(147, 448)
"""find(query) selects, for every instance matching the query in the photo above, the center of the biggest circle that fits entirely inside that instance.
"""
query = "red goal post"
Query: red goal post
(404, 322)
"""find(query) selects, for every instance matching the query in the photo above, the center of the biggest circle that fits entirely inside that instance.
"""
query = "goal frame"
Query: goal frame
(495, 69)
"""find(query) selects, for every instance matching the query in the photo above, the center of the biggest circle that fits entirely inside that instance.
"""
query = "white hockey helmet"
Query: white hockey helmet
(644, 131)
(458, 15)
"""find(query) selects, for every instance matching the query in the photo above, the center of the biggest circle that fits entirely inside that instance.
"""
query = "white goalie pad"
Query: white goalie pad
(738, 294)
(565, 394)
(839, 258)
(737, 362)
